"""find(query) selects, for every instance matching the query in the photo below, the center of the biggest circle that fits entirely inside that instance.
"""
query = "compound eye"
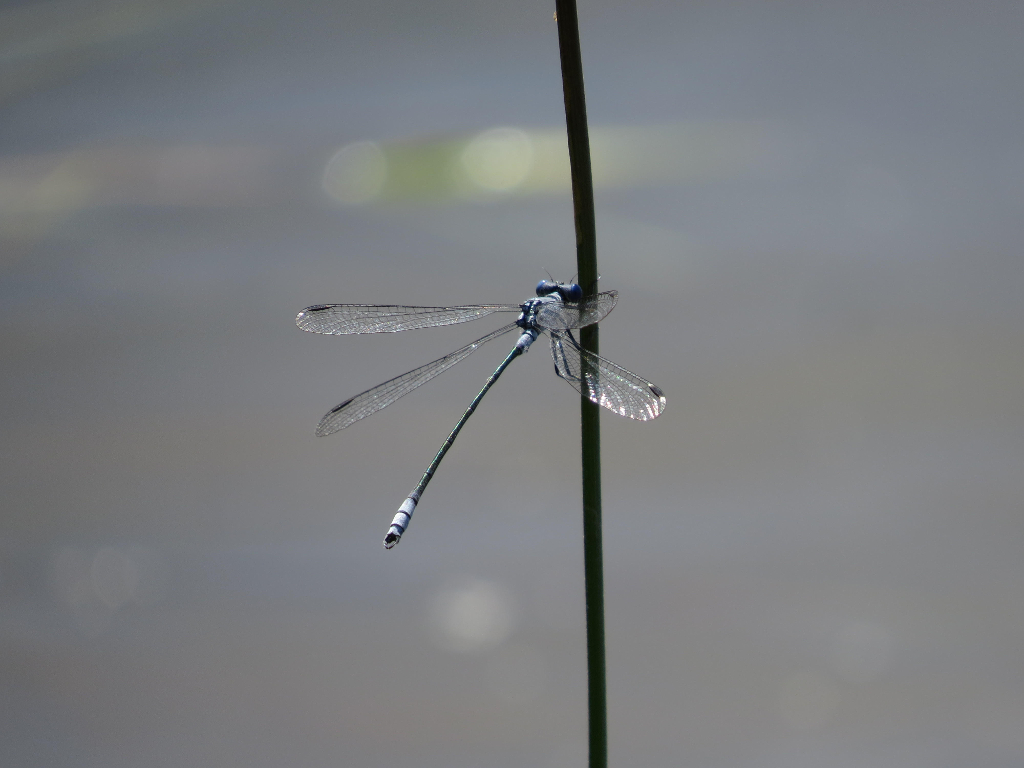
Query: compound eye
(572, 293)
(546, 288)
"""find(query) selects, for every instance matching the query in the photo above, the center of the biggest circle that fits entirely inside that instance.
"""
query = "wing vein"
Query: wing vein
(603, 382)
(389, 318)
(383, 395)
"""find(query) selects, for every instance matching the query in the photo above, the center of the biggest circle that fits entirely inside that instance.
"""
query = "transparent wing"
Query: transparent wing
(604, 382)
(386, 318)
(561, 317)
(383, 395)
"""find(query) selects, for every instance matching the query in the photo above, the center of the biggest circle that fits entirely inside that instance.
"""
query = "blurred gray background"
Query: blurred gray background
(814, 214)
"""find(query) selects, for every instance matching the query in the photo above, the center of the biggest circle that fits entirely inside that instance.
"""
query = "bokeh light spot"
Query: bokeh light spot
(471, 616)
(356, 173)
(498, 160)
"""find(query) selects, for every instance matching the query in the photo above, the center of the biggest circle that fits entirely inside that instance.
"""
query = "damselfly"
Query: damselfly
(559, 308)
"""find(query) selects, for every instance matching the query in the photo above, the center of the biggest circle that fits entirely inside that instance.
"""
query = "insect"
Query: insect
(558, 308)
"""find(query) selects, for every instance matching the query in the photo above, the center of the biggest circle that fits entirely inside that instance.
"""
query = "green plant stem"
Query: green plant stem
(590, 426)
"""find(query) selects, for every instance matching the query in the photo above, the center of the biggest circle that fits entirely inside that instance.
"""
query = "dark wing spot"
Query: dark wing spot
(337, 408)
(656, 390)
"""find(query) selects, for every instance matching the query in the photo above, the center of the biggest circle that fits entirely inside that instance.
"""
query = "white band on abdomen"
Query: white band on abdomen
(404, 514)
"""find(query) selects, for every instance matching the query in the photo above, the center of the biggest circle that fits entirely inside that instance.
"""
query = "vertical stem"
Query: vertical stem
(586, 265)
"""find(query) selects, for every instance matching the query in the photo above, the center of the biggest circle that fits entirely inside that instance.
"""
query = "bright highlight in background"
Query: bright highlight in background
(471, 617)
(498, 160)
(516, 161)
(356, 173)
